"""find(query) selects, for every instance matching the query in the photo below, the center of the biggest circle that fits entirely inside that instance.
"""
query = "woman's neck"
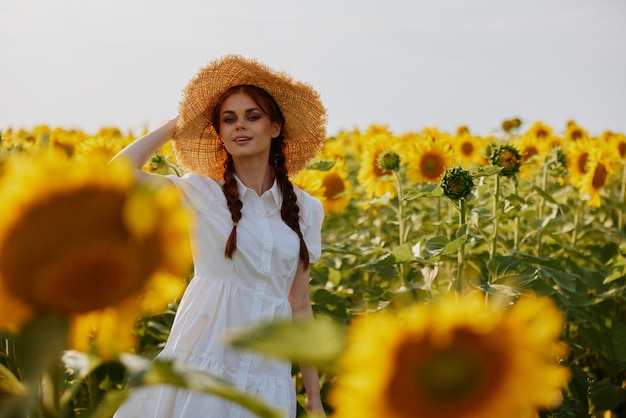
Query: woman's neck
(260, 178)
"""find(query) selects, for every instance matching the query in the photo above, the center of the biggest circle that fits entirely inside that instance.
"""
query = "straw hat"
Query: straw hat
(196, 143)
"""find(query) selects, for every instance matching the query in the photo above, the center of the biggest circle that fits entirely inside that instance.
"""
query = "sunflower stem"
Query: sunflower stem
(516, 222)
(400, 214)
(400, 210)
(494, 236)
(577, 211)
(542, 202)
(461, 253)
(622, 196)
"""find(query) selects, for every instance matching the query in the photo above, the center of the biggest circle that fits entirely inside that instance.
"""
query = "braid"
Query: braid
(289, 211)
(234, 204)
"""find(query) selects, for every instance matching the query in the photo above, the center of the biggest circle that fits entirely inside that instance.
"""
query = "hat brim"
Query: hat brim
(196, 143)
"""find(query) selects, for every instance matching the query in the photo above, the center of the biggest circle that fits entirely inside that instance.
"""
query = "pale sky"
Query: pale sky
(408, 64)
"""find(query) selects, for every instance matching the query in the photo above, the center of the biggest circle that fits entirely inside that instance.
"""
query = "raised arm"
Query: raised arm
(140, 151)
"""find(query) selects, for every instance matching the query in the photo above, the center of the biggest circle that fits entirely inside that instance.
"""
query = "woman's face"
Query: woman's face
(245, 129)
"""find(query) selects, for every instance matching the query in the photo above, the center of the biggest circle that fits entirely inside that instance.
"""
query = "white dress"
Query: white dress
(225, 294)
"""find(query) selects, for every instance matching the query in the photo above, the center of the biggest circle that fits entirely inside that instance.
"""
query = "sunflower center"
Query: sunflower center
(446, 381)
(85, 260)
(621, 147)
(576, 134)
(599, 176)
(529, 152)
(467, 148)
(431, 166)
(508, 159)
(334, 185)
(582, 162)
(449, 375)
(541, 133)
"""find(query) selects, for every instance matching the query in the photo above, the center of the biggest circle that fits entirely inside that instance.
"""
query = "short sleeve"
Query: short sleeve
(190, 189)
(313, 216)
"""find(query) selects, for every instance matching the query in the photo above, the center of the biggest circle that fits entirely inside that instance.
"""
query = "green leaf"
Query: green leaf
(316, 342)
(323, 165)
(605, 396)
(619, 342)
(9, 383)
(145, 372)
(485, 171)
(453, 246)
(399, 255)
(423, 190)
(545, 195)
(435, 245)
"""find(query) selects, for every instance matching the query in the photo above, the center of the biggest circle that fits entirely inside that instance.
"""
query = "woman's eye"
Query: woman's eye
(229, 120)
(254, 117)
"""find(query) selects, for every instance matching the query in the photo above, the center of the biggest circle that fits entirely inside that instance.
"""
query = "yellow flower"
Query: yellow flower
(470, 151)
(599, 170)
(310, 181)
(533, 152)
(336, 196)
(76, 240)
(426, 158)
(618, 143)
(338, 147)
(453, 358)
(331, 187)
(376, 181)
(577, 156)
(574, 132)
(540, 131)
(104, 146)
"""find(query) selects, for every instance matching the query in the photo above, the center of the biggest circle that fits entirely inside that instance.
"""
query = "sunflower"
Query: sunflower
(65, 140)
(427, 158)
(83, 239)
(377, 181)
(533, 152)
(310, 180)
(575, 132)
(577, 158)
(331, 186)
(336, 196)
(508, 157)
(453, 358)
(539, 131)
(340, 146)
(617, 142)
(470, 150)
(599, 170)
(105, 146)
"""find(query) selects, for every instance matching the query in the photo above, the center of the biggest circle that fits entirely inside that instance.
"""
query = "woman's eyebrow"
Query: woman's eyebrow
(252, 109)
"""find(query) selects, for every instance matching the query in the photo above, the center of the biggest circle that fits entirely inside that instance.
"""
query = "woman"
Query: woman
(243, 129)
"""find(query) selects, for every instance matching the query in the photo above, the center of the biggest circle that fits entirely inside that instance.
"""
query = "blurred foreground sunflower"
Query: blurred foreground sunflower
(85, 242)
(453, 358)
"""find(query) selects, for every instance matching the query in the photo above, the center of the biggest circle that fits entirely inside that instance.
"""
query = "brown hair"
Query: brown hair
(289, 211)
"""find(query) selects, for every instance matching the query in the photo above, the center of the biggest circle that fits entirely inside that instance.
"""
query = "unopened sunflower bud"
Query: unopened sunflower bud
(389, 161)
(457, 183)
(507, 157)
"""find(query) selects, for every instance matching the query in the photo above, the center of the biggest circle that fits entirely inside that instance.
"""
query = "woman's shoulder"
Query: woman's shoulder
(197, 190)
(196, 181)
(306, 202)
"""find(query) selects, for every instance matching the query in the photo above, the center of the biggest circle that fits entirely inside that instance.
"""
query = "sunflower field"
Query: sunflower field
(461, 275)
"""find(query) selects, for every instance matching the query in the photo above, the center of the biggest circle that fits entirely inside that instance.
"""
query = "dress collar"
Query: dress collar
(272, 191)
